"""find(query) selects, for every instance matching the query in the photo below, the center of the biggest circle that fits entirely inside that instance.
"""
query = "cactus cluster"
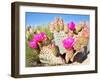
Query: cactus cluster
(77, 36)
(67, 38)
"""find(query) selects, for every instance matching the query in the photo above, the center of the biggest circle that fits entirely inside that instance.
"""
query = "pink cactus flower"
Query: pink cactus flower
(33, 44)
(37, 37)
(43, 36)
(40, 37)
(71, 26)
(68, 43)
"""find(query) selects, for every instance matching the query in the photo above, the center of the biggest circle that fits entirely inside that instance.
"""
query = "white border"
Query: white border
(52, 69)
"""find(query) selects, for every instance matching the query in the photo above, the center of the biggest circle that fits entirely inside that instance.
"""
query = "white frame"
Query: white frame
(53, 69)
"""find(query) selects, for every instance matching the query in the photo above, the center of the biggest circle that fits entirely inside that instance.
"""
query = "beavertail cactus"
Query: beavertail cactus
(47, 56)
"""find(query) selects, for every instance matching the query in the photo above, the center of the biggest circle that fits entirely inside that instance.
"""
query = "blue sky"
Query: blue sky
(34, 19)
